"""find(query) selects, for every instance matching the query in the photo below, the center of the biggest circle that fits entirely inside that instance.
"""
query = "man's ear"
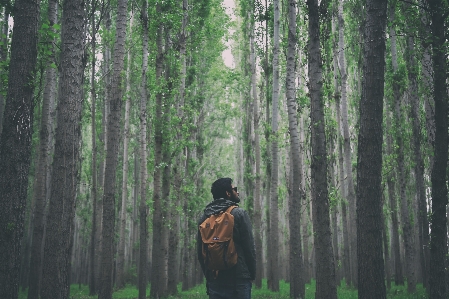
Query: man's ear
(228, 194)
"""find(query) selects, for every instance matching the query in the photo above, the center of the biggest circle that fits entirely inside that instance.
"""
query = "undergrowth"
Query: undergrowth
(199, 292)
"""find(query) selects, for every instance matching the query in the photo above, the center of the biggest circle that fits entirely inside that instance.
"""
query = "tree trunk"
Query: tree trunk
(274, 207)
(297, 288)
(120, 271)
(344, 218)
(351, 198)
(405, 214)
(325, 273)
(143, 208)
(412, 67)
(94, 232)
(66, 161)
(15, 143)
(112, 135)
(157, 285)
(43, 166)
(395, 248)
(257, 201)
(438, 246)
(371, 281)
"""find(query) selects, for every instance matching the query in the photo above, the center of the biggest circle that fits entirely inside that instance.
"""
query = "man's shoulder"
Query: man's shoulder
(238, 212)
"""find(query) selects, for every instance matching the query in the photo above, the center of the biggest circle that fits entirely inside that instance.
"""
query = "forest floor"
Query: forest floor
(199, 292)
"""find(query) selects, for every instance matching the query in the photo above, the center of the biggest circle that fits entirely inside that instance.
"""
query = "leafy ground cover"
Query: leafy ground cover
(199, 292)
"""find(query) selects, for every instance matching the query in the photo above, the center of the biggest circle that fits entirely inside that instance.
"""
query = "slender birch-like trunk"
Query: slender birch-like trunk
(297, 287)
(404, 206)
(347, 147)
(395, 248)
(120, 267)
(95, 204)
(274, 205)
(143, 208)
(257, 201)
(157, 285)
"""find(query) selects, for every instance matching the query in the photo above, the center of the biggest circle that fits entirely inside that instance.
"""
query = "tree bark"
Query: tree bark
(438, 246)
(158, 255)
(371, 281)
(347, 149)
(45, 146)
(66, 163)
(120, 268)
(94, 232)
(325, 271)
(412, 69)
(113, 133)
(404, 206)
(297, 287)
(15, 143)
(395, 248)
(143, 208)
(257, 215)
(274, 208)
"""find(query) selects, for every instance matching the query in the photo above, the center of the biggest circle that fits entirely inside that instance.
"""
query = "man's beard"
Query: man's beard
(234, 198)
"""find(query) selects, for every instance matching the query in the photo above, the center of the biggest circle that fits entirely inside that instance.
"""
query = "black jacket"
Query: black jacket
(243, 239)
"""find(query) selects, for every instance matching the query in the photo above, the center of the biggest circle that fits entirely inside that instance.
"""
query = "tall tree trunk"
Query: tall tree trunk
(412, 68)
(157, 285)
(3, 57)
(438, 246)
(15, 143)
(94, 232)
(429, 106)
(297, 288)
(143, 208)
(43, 166)
(112, 135)
(405, 214)
(325, 273)
(274, 205)
(344, 218)
(395, 248)
(120, 268)
(305, 209)
(347, 148)
(66, 163)
(185, 203)
(423, 226)
(257, 201)
(371, 281)
(135, 219)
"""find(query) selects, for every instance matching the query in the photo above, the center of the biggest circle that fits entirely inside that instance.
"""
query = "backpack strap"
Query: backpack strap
(229, 210)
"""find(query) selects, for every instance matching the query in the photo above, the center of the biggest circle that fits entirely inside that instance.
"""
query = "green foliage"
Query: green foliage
(199, 292)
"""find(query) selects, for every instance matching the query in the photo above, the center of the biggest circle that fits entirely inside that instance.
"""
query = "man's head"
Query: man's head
(222, 188)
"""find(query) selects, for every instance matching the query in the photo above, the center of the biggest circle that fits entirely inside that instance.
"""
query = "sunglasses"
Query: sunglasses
(235, 189)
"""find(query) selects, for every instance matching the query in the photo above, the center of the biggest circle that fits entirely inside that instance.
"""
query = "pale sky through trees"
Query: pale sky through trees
(228, 58)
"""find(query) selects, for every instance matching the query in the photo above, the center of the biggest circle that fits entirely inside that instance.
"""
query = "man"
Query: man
(234, 283)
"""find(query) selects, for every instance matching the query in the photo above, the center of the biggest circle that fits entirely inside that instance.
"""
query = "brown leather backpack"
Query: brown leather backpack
(219, 252)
